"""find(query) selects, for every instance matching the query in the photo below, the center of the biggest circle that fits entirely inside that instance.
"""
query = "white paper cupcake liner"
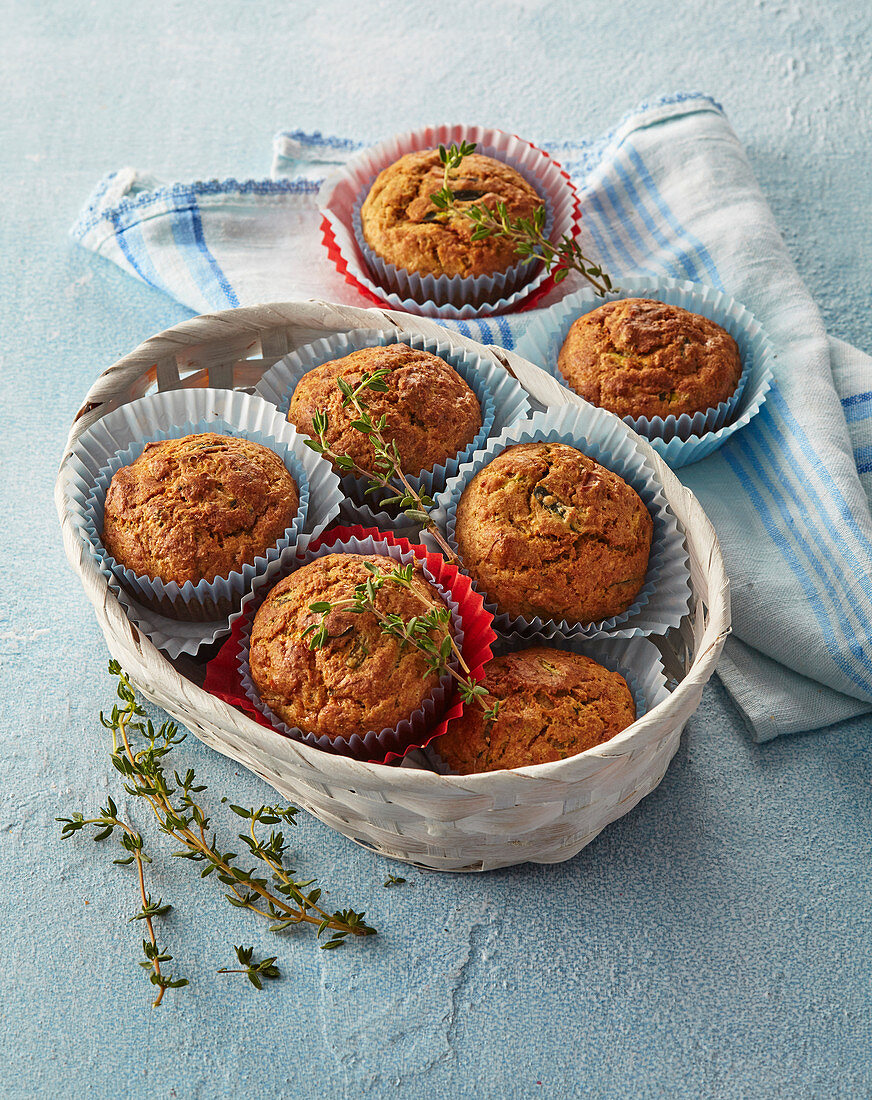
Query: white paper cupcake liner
(637, 660)
(122, 434)
(684, 439)
(663, 600)
(343, 193)
(502, 401)
(373, 743)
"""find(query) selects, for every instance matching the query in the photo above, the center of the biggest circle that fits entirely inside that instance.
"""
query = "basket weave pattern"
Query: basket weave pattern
(543, 814)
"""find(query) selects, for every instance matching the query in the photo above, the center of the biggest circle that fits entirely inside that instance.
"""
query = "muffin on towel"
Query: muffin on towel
(401, 224)
(362, 679)
(552, 704)
(639, 357)
(545, 531)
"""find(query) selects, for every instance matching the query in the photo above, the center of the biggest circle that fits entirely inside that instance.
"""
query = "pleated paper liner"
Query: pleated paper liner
(663, 599)
(458, 298)
(502, 401)
(228, 674)
(636, 659)
(684, 439)
(121, 435)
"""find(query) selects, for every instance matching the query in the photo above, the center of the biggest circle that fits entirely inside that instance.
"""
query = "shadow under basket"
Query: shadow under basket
(541, 814)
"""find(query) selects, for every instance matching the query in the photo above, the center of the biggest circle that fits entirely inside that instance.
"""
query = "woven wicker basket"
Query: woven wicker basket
(542, 814)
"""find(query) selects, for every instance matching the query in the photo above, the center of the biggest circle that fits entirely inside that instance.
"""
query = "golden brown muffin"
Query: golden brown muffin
(552, 704)
(638, 357)
(362, 679)
(544, 530)
(198, 508)
(401, 224)
(431, 412)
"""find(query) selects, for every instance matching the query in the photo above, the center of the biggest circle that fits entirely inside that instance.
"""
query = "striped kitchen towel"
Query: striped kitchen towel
(669, 191)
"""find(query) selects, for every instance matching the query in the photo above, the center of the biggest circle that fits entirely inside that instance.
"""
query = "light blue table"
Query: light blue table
(714, 942)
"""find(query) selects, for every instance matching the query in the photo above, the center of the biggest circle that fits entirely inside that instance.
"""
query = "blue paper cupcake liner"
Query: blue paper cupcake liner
(663, 600)
(181, 619)
(636, 659)
(374, 742)
(501, 398)
(684, 439)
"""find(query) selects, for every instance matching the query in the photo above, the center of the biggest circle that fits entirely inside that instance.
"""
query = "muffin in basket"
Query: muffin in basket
(552, 704)
(431, 413)
(402, 226)
(198, 508)
(545, 531)
(639, 357)
(361, 679)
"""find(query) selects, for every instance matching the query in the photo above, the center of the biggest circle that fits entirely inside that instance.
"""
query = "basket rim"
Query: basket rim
(253, 320)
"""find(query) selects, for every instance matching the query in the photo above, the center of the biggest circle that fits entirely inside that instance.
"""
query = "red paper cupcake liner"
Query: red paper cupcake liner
(223, 678)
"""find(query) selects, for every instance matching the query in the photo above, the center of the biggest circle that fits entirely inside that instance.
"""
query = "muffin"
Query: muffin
(198, 508)
(639, 357)
(362, 679)
(431, 412)
(545, 531)
(552, 704)
(401, 224)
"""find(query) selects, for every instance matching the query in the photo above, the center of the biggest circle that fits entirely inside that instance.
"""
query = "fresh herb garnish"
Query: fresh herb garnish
(256, 971)
(442, 656)
(527, 234)
(275, 894)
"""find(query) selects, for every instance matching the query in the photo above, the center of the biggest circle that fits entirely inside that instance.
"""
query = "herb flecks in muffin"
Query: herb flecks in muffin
(641, 357)
(554, 704)
(527, 234)
(547, 532)
(401, 225)
(441, 653)
(384, 471)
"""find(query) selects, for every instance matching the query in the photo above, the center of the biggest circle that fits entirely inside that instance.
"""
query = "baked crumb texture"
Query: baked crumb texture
(431, 412)
(362, 680)
(198, 508)
(545, 531)
(401, 224)
(639, 357)
(553, 704)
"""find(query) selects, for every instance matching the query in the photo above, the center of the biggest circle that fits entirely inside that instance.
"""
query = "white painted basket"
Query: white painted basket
(543, 814)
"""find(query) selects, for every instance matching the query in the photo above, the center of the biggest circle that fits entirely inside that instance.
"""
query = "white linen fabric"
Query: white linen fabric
(669, 192)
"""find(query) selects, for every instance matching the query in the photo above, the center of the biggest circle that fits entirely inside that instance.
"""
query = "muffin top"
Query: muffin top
(198, 507)
(544, 530)
(362, 679)
(553, 704)
(431, 412)
(639, 357)
(401, 224)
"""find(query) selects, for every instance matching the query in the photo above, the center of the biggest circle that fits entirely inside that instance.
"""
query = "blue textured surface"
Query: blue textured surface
(714, 942)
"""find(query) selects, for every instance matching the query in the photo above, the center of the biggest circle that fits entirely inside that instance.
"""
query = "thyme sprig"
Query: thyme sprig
(256, 971)
(527, 234)
(386, 472)
(393, 880)
(104, 825)
(277, 894)
(444, 656)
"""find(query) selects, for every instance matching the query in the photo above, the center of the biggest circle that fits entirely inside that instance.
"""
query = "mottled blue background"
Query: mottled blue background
(714, 942)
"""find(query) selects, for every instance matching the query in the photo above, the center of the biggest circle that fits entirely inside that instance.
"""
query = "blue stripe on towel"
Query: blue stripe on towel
(863, 458)
(638, 204)
(128, 237)
(857, 407)
(730, 455)
(650, 186)
(821, 531)
(188, 234)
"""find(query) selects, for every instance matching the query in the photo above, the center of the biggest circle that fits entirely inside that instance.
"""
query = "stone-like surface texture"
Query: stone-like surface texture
(714, 942)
